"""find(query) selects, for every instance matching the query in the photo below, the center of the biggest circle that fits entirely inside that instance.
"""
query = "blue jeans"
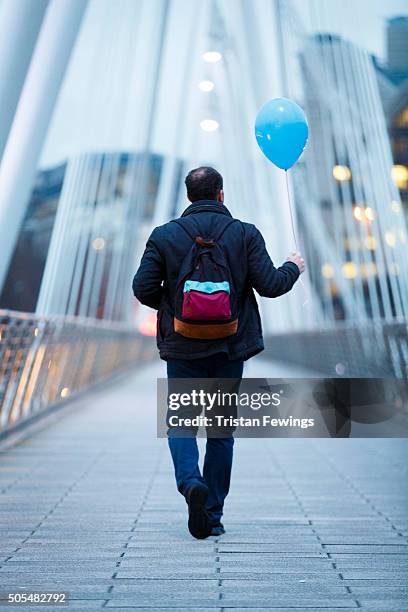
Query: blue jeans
(218, 454)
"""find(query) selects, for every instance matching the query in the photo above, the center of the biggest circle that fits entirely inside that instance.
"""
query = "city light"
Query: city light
(358, 213)
(211, 57)
(148, 325)
(368, 269)
(399, 174)
(206, 86)
(395, 206)
(98, 244)
(349, 270)
(340, 369)
(327, 270)
(342, 173)
(65, 392)
(390, 239)
(371, 243)
(369, 213)
(351, 243)
(209, 125)
(402, 120)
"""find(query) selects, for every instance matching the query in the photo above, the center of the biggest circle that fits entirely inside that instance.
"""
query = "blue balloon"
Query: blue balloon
(281, 131)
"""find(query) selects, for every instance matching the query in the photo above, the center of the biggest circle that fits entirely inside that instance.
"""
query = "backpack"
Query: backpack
(206, 306)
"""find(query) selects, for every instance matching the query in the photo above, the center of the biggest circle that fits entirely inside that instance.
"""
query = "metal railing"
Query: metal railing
(44, 361)
(370, 350)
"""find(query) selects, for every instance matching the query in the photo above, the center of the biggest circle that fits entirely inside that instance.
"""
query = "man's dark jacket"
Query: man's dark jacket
(251, 268)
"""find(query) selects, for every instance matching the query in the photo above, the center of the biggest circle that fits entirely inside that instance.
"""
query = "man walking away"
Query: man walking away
(199, 272)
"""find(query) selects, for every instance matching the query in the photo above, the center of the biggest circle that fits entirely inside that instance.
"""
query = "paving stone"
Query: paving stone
(377, 582)
(398, 557)
(383, 605)
(285, 580)
(177, 608)
(72, 605)
(368, 549)
(283, 589)
(153, 599)
(167, 572)
(371, 563)
(288, 602)
(178, 565)
(373, 574)
(262, 547)
(273, 556)
(135, 586)
(23, 572)
(298, 607)
(278, 563)
(346, 540)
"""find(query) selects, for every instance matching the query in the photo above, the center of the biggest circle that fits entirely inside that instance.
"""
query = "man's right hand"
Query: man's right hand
(297, 259)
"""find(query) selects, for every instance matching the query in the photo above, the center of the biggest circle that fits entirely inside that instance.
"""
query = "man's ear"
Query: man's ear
(220, 197)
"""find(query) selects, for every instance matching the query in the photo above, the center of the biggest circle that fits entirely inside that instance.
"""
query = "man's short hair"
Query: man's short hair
(203, 183)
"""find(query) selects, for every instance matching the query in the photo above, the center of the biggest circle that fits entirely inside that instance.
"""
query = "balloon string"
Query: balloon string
(305, 292)
(291, 211)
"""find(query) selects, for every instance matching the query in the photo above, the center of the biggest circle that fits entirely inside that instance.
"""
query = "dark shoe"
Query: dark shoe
(217, 529)
(198, 522)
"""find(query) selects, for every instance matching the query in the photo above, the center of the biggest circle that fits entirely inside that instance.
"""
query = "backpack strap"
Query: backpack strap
(226, 226)
(184, 228)
(193, 237)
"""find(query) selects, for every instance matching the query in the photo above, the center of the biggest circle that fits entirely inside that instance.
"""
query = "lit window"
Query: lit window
(390, 239)
(333, 289)
(368, 269)
(395, 206)
(399, 174)
(340, 368)
(402, 119)
(327, 270)
(371, 243)
(206, 86)
(342, 173)
(358, 213)
(98, 244)
(209, 125)
(211, 57)
(369, 213)
(349, 270)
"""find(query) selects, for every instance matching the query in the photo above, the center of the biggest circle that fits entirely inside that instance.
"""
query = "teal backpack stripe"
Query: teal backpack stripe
(206, 287)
